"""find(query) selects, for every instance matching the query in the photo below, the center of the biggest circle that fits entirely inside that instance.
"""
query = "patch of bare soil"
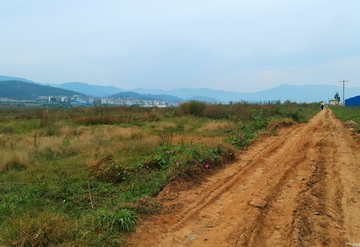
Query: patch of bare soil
(300, 188)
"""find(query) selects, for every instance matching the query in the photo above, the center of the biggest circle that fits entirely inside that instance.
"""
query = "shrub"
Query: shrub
(240, 109)
(258, 120)
(215, 111)
(295, 115)
(242, 141)
(193, 107)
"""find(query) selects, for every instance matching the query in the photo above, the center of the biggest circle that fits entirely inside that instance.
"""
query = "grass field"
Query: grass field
(84, 176)
(347, 113)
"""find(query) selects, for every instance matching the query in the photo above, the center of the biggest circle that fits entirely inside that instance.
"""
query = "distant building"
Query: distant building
(118, 102)
(159, 102)
(172, 104)
(103, 101)
(354, 101)
(77, 103)
(333, 102)
(77, 97)
(65, 99)
(148, 103)
(130, 102)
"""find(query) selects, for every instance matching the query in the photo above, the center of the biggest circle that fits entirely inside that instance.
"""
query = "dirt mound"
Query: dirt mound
(350, 124)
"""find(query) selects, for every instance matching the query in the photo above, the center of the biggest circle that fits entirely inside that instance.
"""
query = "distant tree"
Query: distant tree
(53, 100)
(337, 97)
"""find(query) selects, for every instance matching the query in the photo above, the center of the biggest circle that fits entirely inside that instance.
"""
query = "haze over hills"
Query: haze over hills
(91, 90)
(135, 95)
(21, 90)
(306, 93)
(11, 78)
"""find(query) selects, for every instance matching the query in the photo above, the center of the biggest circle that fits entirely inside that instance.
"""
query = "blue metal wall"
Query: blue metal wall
(354, 101)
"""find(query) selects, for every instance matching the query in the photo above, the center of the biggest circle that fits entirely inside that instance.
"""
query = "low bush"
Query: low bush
(193, 107)
(242, 140)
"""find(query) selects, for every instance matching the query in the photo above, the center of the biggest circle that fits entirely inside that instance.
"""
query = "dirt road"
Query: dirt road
(308, 176)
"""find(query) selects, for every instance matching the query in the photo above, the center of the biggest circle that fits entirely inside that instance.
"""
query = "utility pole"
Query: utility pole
(343, 81)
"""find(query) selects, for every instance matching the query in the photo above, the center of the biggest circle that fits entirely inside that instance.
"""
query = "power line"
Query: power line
(353, 65)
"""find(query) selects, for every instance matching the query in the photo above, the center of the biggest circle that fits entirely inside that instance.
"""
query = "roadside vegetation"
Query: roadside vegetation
(347, 114)
(84, 176)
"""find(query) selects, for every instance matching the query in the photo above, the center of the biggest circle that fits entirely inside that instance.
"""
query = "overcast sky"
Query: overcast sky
(233, 45)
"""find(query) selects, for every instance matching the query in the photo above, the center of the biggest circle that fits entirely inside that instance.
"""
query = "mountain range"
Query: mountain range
(305, 93)
(21, 90)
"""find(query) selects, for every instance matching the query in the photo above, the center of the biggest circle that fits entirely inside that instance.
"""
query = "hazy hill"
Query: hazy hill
(134, 95)
(91, 90)
(21, 90)
(10, 78)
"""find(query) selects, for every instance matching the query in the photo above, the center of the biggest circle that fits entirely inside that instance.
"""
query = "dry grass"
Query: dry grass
(13, 160)
(162, 126)
(16, 151)
(280, 122)
(216, 125)
(42, 230)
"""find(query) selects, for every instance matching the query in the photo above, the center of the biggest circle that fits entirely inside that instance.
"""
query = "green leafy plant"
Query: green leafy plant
(242, 141)
(258, 120)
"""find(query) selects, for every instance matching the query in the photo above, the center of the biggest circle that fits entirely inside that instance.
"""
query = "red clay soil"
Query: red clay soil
(300, 188)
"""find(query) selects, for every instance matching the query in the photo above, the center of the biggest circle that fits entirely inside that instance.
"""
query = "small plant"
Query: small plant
(107, 170)
(242, 141)
(49, 154)
(120, 220)
(66, 142)
(170, 114)
(165, 138)
(324, 238)
(295, 115)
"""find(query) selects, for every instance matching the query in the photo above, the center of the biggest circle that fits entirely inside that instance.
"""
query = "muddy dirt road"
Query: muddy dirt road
(307, 176)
